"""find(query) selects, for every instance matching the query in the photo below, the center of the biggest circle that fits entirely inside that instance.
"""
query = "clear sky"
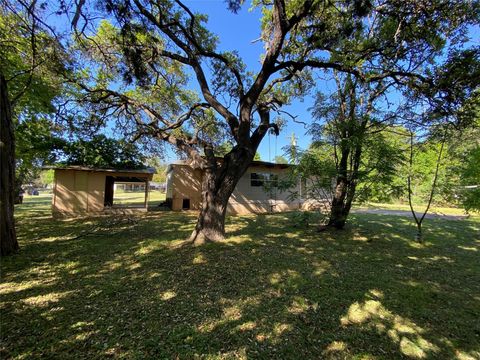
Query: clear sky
(239, 32)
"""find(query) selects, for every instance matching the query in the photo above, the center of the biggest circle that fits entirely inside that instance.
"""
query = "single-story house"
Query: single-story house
(80, 190)
(256, 191)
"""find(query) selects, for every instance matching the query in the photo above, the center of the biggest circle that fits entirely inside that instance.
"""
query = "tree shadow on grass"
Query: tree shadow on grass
(271, 290)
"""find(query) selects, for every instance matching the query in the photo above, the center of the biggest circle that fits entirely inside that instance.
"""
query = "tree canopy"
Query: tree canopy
(103, 152)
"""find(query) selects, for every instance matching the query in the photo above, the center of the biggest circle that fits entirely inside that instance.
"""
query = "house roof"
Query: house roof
(270, 164)
(148, 170)
(253, 163)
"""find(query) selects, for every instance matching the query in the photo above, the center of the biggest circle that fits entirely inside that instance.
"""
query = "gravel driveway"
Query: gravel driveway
(409, 214)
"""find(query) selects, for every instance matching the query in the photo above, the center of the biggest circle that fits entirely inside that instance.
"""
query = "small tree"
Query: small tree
(351, 122)
(315, 171)
(433, 186)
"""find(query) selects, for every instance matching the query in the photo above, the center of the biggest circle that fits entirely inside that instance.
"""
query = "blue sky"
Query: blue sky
(239, 32)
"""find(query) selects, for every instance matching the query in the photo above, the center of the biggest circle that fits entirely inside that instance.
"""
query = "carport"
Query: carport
(82, 190)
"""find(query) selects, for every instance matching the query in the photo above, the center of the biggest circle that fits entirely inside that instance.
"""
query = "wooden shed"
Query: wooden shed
(82, 190)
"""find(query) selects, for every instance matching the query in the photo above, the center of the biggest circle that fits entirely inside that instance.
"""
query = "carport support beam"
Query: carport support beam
(147, 183)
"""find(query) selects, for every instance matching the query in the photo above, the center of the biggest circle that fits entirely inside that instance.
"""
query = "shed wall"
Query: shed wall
(96, 191)
(78, 192)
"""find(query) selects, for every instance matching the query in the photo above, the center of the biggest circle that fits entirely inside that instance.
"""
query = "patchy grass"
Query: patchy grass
(272, 290)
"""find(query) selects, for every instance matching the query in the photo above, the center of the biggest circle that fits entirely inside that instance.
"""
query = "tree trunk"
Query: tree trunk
(338, 217)
(217, 187)
(345, 187)
(419, 236)
(341, 203)
(8, 237)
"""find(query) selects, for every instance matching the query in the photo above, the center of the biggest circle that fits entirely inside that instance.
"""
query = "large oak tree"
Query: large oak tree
(153, 46)
(138, 66)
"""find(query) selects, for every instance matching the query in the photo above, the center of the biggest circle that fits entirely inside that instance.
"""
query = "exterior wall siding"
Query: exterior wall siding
(256, 199)
(185, 183)
(77, 193)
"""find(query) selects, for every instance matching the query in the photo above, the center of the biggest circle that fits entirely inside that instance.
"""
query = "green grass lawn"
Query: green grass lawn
(130, 198)
(84, 289)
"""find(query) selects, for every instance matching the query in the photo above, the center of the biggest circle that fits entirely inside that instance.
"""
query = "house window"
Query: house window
(263, 179)
(256, 179)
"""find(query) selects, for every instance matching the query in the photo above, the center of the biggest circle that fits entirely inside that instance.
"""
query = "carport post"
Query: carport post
(146, 194)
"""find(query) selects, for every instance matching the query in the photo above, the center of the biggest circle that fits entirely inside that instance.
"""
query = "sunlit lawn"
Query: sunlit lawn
(132, 198)
(272, 291)
(420, 208)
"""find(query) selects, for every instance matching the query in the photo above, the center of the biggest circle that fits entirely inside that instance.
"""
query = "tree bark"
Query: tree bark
(346, 186)
(341, 203)
(337, 212)
(8, 237)
(218, 183)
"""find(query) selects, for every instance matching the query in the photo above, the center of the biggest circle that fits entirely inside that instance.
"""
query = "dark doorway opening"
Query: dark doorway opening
(109, 182)
(186, 204)
(125, 191)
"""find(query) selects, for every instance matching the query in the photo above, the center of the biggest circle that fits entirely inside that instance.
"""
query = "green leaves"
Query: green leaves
(470, 180)
(103, 152)
(27, 62)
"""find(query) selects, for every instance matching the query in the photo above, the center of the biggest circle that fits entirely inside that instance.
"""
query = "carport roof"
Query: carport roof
(148, 170)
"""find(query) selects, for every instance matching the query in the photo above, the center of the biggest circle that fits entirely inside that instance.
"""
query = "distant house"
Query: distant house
(80, 190)
(256, 191)
(160, 186)
(130, 186)
(135, 186)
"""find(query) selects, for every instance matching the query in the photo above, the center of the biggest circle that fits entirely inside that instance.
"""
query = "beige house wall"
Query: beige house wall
(185, 183)
(255, 199)
(96, 192)
(79, 192)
